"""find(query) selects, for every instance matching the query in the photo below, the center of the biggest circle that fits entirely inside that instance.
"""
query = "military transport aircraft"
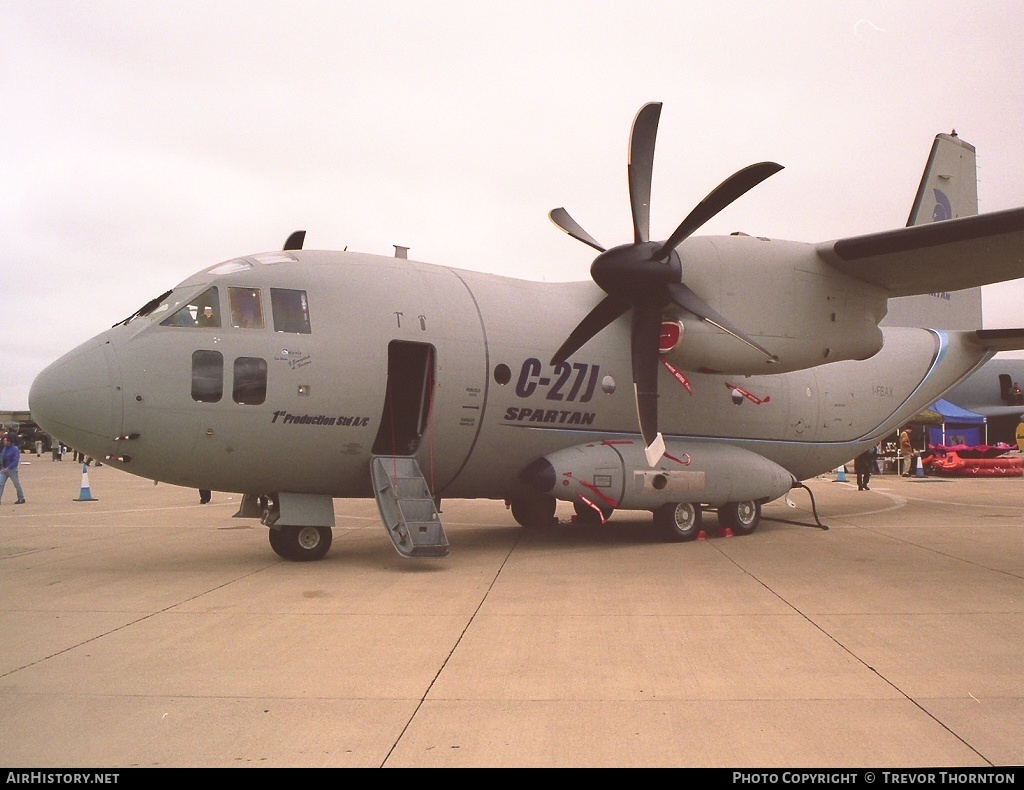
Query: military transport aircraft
(995, 390)
(296, 376)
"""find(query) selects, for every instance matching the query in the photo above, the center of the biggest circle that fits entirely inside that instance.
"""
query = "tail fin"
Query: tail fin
(948, 189)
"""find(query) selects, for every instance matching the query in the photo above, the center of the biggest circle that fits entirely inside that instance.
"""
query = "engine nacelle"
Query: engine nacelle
(614, 474)
(781, 294)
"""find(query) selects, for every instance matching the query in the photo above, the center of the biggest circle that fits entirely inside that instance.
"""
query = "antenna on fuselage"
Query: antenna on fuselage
(294, 242)
(400, 251)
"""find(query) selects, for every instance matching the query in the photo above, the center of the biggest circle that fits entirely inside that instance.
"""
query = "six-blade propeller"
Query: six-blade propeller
(646, 276)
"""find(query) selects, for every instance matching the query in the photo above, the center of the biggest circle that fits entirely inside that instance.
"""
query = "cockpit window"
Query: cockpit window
(204, 310)
(246, 308)
(291, 310)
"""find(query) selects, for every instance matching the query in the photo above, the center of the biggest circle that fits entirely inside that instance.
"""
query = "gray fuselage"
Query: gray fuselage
(490, 402)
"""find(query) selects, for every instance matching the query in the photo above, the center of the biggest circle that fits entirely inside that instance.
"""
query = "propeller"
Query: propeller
(647, 276)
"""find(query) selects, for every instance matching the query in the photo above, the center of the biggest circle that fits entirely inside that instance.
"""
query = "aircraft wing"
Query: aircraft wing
(999, 339)
(939, 256)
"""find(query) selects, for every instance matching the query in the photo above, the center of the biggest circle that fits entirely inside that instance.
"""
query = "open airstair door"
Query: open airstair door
(408, 398)
(406, 507)
(403, 496)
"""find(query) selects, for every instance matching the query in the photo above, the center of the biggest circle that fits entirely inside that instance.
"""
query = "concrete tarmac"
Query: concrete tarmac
(145, 629)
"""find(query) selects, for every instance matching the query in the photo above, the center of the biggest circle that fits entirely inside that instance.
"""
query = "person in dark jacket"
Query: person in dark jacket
(864, 465)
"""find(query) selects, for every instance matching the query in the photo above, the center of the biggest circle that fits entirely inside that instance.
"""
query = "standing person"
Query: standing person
(204, 495)
(864, 464)
(907, 451)
(9, 460)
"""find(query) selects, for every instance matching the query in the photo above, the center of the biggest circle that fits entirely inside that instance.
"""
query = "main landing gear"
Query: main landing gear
(741, 517)
(587, 516)
(533, 510)
(681, 521)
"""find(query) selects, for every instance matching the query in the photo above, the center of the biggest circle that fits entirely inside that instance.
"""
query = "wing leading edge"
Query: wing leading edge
(999, 339)
(940, 256)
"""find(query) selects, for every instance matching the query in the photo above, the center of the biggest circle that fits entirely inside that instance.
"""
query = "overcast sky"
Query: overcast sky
(142, 141)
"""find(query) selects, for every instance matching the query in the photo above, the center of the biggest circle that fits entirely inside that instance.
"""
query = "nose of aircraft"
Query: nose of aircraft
(78, 398)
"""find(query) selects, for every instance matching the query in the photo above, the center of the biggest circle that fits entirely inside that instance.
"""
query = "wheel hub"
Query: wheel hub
(309, 538)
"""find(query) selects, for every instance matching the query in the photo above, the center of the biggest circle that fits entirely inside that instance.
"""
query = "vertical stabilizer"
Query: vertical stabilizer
(948, 190)
(949, 187)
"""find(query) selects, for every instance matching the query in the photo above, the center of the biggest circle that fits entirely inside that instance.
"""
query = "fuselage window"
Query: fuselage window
(291, 310)
(207, 376)
(246, 308)
(204, 310)
(250, 381)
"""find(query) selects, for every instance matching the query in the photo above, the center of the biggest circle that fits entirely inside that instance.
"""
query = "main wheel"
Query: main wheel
(533, 511)
(301, 544)
(679, 520)
(585, 514)
(742, 517)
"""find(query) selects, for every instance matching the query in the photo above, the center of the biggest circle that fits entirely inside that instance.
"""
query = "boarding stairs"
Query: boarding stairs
(406, 507)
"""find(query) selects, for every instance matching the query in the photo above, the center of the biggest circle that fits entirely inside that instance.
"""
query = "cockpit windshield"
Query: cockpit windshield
(146, 309)
(203, 310)
(246, 308)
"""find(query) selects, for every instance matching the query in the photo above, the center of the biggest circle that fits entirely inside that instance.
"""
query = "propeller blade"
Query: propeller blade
(295, 241)
(683, 296)
(607, 310)
(641, 165)
(566, 223)
(736, 185)
(645, 334)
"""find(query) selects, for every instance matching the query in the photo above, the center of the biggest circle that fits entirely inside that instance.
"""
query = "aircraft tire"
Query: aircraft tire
(741, 517)
(301, 544)
(679, 521)
(277, 543)
(585, 514)
(533, 511)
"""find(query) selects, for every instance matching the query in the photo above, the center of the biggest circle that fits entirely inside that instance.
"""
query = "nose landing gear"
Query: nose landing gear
(300, 544)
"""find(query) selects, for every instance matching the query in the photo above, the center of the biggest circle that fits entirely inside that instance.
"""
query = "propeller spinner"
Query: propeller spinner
(646, 276)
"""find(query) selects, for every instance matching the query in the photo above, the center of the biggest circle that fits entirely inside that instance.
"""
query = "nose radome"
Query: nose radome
(78, 398)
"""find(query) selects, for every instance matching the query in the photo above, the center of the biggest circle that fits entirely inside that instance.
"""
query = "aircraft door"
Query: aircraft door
(408, 398)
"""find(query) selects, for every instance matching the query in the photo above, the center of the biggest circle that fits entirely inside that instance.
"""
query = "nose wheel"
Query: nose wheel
(300, 544)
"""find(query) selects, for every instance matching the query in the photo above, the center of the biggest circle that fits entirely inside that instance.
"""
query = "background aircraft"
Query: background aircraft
(996, 390)
(297, 376)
